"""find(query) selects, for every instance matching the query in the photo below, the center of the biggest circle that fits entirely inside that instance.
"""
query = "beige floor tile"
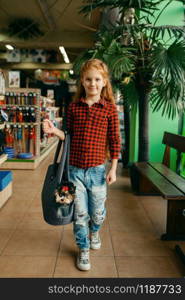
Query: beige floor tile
(15, 205)
(120, 194)
(156, 209)
(172, 244)
(66, 267)
(138, 244)
(36, 204)
(68, 245)
(5, 235)
(25, 193)
(121, 184)
(10, 219)
(119, 204)
(137, 266)
(106, 245)
(130, 220)
(34, 243)
(28, 178)
(26, 266)
(35, 221)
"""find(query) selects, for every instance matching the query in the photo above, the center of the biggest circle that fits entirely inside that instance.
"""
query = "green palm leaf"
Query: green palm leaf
(143, 5)
(88, 54)
(120, 64)
(130, 94)
(169, 62)
(169, 98)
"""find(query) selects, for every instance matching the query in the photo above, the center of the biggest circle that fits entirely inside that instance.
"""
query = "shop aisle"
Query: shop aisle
(131, 245)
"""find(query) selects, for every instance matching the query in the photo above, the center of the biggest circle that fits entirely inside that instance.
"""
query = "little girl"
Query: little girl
(92, 121)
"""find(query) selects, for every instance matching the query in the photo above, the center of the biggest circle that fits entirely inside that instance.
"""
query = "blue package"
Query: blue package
(5, 178)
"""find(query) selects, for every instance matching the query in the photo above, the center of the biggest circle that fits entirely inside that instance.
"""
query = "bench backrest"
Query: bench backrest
(175, 141)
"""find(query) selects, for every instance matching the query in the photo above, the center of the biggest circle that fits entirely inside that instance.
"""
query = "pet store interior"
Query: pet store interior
(42, 46)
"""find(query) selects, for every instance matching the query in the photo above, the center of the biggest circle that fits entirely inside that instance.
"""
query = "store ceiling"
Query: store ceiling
(59, 20)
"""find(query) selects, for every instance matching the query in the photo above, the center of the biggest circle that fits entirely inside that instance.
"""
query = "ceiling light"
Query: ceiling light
(62, 50)
(9, 47)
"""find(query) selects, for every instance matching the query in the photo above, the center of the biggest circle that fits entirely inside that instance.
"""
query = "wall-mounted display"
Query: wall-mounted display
(14, 79)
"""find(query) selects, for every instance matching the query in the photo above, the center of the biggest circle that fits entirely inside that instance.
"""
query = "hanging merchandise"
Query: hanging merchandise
(23, 140)
(19, 139)
(3, 116)
(19, 114)
(2, 141)
(26, 138)
(51, 77)
(20, 98)
(24, 111)
(15, 146)
(50, 94)
(32, 140)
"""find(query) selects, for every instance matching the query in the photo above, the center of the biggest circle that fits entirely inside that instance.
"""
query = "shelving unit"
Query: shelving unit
(7, 191)
(39, 155)
(3, 158)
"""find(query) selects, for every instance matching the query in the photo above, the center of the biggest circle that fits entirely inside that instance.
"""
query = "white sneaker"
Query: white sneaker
(95, 242)
(83, 262)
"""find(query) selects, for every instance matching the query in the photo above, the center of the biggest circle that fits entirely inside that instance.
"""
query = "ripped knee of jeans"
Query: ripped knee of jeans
(81, 218)
(98, 217)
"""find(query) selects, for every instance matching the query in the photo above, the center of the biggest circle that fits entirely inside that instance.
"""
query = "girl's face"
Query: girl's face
(93, 82)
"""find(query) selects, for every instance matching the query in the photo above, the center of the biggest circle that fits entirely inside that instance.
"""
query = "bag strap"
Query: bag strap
(60, 142)
(59, 146)
(67, 159)
(64, 161)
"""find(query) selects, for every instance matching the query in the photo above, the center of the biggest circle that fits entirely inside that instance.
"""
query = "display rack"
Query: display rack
(3, 158)
(7, 191)
(33, 100)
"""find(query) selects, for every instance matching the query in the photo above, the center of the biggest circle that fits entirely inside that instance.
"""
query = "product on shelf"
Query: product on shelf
(21, 138)
(24, 139)
(21, 98)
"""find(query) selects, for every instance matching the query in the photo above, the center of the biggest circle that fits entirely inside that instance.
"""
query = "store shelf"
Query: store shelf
(2, 126)
(23, 145)
(3, 158)
(21, 105)
(5, 194)
(29, 164)
(21, 123)
(33, 66)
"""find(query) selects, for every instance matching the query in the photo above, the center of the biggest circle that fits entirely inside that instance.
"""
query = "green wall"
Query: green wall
(173, 15)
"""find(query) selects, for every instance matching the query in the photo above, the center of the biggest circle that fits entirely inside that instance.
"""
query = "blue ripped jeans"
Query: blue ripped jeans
(91, 192)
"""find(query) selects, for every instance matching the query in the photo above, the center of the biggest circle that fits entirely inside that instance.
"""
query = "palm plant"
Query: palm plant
(152, 67)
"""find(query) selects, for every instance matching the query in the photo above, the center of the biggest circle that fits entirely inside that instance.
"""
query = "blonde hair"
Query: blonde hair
(106, 92)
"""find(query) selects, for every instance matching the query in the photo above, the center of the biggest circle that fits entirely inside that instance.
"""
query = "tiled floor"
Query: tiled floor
(131, 245)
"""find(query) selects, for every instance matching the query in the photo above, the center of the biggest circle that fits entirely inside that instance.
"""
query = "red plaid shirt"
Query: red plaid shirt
(91, 128)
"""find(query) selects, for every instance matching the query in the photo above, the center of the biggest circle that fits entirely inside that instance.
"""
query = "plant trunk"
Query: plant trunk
(126, 150)
(143, 150)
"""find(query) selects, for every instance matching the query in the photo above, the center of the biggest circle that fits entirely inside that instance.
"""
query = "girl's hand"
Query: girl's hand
(48, 126)
(111, 176)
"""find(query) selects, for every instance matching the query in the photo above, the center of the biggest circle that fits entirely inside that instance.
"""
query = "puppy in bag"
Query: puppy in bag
(58, 192)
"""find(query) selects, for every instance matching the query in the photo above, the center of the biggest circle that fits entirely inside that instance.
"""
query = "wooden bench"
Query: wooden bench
(157, 179)
(149, 178)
